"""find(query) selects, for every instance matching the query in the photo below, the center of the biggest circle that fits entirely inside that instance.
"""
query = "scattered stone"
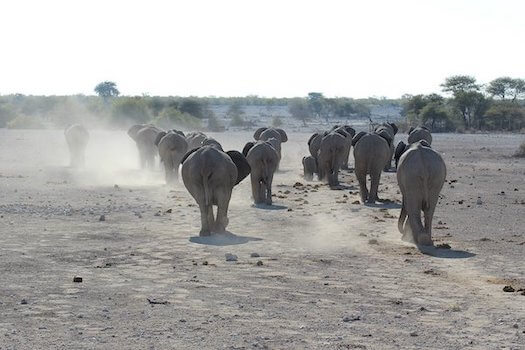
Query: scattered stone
(351, 318)
(156, 302)
(230, 257)
(413, 334)
(372, 241)
(259, 263)
(443, 246)
(169, 211)
(509, 289)
(77, 279)
(289, 209)
(102, 218)
(23, 302)
(205, 263)
(254, 255)
(479, 202)
(157, 213)
(356, 202)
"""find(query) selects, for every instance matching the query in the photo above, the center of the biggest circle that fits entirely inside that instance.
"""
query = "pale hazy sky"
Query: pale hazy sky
(267, 48)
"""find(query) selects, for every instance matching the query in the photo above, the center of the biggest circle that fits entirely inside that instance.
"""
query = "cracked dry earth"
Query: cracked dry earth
(314, 271)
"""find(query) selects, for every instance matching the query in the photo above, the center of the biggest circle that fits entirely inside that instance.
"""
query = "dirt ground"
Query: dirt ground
(314, 271)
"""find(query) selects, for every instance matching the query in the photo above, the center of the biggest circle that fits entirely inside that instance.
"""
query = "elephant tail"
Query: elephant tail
(402, 218)
(426, 204)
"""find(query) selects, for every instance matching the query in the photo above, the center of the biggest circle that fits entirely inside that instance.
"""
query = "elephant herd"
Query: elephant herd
(209, 173)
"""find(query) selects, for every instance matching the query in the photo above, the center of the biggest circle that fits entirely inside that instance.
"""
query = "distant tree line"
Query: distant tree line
(499, 105)
(464, 105)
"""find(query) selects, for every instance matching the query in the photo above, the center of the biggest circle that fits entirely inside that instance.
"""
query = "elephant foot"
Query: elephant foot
(425, 239)
(204, 233)
(371, 201)
(407, 237)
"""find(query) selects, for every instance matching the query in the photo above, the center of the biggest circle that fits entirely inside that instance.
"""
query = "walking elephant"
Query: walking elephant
(144, 136)
(348, 132)
(309, 167)
(421, 174)
(209, 175)
(172, 148)
(371, 154)
(77, 138)
(263, 160)
(195, 139)
(330, 158)
(391, 129)
(265, 134)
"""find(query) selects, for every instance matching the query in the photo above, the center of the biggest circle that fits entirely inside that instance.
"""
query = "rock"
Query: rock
(479, 202)
(372, 241)
(443, 246)
(157, 213)
(230, 257)
(509, 289)
(289, 209)
(254, 255)
(259, 263)
(351, 318)
(23, 302)
(356, 202)
(102, 218)
(413, 334)
(77, 279)
(169, 211)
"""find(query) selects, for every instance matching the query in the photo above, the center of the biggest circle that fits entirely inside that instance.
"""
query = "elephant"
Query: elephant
(77, 138)
(195, 139)
(145, 135)
(309, 167)
(420, 175)
(209, 175)
(263, 160)
(419, 133)
(371, 153)
(210, 141)
(391, 129)
(330, 157)
(172, 147)
(400, 148)
(314, 143)
(348, 132)
(265, 134)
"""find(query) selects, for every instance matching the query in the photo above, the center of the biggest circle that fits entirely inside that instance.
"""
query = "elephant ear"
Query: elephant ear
(212, 142)
(159, 137)
(258, 133)
(341, 132)
(424, 143)
(349, 130)
(132, 131)
(281, 132)
(357, 137)
(311, 138)
(394, 126)
(247, 148)
(425, 127)
(410, 130)
(243, 168)
(384, 134)
(189, 154)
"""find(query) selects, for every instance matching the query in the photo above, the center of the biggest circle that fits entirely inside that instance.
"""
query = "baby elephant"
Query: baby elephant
(309, 167)
(263, 160)
(77, 138)
(419, 133)
(420, 175)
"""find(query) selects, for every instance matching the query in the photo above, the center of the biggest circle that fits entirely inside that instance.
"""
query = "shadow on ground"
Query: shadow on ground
(269, 207)
(445, 253)
(223, 239)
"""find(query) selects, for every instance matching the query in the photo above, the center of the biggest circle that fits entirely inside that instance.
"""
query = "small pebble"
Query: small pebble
(230, 257)
(77, 279)
(254, 255)
(102, 218)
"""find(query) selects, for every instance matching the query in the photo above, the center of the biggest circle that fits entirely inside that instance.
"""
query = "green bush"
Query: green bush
(173, 118)
(237, 120)
(6, 114)
(129, 110)
(26, 122)
(214, 124)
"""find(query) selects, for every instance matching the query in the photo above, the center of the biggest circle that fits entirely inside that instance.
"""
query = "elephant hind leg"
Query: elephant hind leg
(414, 219)
(363, 191)
(223, 201)
(402, 218)
(206, 225)
(428, 213)
(375, 176)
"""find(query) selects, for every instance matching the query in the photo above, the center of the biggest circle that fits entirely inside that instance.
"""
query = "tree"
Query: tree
(316, 103)
(300, 110)
(506, 87)
(128, 110)
(107, 89)
(460, 83)
(435, 115)
(192, 106)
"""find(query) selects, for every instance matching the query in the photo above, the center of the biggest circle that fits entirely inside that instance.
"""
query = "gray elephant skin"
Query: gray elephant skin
(371, 154)
(265, 134)
(391, 129)
(421, 174)
(195, 139)
(209, 175)
(419, 133)
(309, 167)
(330, 158)
(144, 136)
(77, 138)
(263, 160)
(172, 148)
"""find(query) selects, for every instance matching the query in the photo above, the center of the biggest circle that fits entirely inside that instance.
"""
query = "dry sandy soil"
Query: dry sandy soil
(330, 273)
